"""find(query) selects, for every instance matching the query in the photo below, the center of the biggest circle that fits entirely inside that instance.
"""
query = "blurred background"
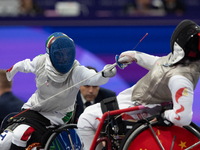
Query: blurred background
(101, 30)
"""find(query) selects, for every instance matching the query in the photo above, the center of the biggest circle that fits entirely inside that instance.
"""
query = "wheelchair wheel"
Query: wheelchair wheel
(64, 138)
(174, 137)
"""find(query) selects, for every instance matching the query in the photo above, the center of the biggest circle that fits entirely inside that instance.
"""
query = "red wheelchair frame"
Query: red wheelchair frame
(193, 131)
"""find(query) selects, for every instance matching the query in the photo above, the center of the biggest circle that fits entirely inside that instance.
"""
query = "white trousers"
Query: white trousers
(19, 137)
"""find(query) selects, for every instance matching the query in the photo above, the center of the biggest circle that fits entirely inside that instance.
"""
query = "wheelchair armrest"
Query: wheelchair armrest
(65, 126)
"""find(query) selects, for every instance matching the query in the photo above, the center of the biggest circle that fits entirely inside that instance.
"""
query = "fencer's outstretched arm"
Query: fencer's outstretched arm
(145, 60)
(26, 66)
(90, 77)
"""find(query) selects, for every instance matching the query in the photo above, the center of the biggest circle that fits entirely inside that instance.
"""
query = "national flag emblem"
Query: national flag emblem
(181, 92)
(49, 40)
(9, 70)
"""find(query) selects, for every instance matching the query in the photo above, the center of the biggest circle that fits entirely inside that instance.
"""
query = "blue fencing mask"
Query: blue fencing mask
(61, 50)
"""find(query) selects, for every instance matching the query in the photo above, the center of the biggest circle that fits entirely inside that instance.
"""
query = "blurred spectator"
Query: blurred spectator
(9, 8)
(8, 102)
(30, 8)
(144, 8)
(67, 9)
(14, 8)
(174, 7)
(89, 95)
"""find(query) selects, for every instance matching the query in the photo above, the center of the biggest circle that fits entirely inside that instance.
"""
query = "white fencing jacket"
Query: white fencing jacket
(56, 92)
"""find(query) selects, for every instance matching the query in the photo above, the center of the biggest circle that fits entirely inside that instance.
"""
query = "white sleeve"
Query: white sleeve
(145, 60)
(182, 96)
(26, 66)
(87, 77)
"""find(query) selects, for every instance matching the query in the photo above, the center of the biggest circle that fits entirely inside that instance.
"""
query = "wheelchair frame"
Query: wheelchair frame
(111, 113)
(193, 128)
(128, 138)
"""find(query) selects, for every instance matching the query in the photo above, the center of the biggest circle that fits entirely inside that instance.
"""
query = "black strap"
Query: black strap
(34, 115)
(110, 104)
(32, 118)
(15, 147)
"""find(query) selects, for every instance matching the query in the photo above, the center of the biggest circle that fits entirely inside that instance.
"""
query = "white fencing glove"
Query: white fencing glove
(109, 71)
(126, 58)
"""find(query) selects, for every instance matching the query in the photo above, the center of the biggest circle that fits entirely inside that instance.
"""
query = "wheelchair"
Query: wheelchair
(140, 135)
(145, 134)
(63, 137)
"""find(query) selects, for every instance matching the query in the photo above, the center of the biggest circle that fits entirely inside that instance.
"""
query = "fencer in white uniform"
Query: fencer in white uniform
(58, 78)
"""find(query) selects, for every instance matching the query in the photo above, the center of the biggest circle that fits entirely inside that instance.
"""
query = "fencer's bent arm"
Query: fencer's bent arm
(145, 60)
(25, 66)
(182, 96)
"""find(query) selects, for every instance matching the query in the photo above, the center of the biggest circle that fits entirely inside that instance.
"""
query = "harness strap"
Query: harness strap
(32, 118)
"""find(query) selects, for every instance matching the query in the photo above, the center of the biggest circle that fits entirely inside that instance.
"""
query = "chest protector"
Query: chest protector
(153, 87)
